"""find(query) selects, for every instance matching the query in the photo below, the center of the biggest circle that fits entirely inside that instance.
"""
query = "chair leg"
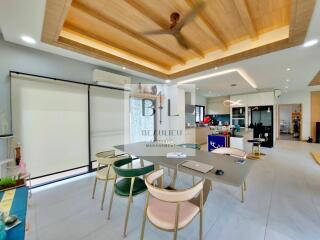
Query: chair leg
(105, 187)
(144, 217)
(175, 235)
(141, 162)
(104, 194)
(128, 209)
(201, 216)
(111, 199)
(242, 193)
(94, 187)
(245, 185)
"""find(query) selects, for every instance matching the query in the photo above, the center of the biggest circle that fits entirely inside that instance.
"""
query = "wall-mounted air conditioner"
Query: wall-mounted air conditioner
(111, 79)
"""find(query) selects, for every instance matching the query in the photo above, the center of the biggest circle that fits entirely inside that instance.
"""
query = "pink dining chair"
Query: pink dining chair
(235, 152)
(230, 151)
(171, 210)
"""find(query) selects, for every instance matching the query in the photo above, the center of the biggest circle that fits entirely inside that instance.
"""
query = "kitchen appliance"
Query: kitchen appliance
(261, 119)
(239, 116)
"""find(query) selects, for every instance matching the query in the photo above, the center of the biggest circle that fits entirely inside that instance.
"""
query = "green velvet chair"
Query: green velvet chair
(191, 145)
(130, 184)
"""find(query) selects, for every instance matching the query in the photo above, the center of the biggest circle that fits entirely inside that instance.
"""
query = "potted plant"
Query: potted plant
(7, 183)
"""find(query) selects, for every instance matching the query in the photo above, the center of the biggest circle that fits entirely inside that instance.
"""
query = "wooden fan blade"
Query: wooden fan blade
(191, 15)
(157, 32)
(182, 41)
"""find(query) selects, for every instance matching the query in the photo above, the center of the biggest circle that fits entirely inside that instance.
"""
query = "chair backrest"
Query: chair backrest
(130, 172)
(230, 151)
(190, 145)
(104, 157)
(171, 195)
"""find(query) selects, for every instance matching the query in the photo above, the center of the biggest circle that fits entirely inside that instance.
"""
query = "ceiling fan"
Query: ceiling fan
(177, 24)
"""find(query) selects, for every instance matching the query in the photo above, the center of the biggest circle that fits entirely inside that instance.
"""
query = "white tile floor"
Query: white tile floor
(282, 203)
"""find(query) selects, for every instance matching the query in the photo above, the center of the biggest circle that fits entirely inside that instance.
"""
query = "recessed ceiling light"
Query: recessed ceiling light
(167, 81)
(288, 69)
(197, 88)
(288, 80)
(286, 87)
(215, 68)
(310, 43)
(28, 39)
(124, 68)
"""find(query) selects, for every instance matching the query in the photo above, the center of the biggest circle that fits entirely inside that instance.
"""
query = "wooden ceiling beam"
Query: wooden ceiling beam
(215, 35)
(301, 13)
(98, 54)
(55, 15)
(246, 17)
(316, 80)
(95, 14)
(70, 27)
(153, 16)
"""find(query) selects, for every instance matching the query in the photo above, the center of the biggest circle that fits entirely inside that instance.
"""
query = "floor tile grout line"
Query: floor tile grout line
(269, 209)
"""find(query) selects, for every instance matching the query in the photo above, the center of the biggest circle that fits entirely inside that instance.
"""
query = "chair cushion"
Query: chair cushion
(122, 187)
(102, 174)
(162, 214)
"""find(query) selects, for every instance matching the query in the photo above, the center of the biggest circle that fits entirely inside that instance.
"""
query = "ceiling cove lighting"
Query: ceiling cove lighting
(28, 39)
(310, 43)
(241, 72)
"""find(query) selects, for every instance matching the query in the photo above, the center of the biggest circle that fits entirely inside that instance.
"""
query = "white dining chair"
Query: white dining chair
(105, 171)
(235, 152)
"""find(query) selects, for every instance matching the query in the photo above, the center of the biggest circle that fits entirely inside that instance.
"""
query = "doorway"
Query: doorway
(290, 121)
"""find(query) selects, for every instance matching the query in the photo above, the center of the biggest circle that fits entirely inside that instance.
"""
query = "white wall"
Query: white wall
(215, 105)
(200, 100)
(301, 97)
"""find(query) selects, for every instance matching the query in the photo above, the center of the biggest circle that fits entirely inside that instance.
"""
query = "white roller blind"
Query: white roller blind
(109, 118)
(50, 120)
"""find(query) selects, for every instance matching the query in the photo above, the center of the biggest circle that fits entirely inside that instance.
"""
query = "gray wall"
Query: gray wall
(23, 59)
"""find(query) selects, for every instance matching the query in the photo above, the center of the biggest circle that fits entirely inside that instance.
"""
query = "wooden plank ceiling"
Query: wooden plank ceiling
(222, 31)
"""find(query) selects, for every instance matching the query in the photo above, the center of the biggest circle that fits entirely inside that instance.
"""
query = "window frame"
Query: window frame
(201, 118)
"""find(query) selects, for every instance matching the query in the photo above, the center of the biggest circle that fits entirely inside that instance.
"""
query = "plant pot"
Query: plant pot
(19, 183)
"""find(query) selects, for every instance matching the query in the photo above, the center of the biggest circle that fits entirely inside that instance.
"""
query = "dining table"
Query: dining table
(235, 171)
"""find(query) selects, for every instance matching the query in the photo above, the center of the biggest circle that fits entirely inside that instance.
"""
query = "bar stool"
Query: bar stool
(104, 170)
